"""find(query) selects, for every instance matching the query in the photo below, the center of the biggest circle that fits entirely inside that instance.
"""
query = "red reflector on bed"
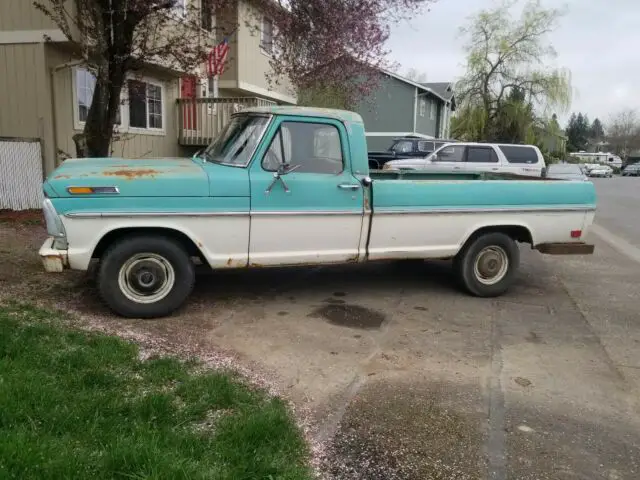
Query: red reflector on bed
(576, 233)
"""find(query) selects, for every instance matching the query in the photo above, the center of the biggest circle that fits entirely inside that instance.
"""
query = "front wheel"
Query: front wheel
(145, 276)
(487, 264)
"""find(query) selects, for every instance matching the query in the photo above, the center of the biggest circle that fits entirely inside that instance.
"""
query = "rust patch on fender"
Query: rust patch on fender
(133, 173)
(229, 262)
(62, 176)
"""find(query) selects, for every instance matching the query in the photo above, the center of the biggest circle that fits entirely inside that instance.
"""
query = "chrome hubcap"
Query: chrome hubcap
(491, 265)
(146, 278)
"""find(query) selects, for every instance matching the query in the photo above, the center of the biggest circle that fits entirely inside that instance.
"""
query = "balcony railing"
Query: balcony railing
(200, 120)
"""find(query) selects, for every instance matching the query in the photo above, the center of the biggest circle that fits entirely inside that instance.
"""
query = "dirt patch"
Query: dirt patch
(400, 431)
(25, 217)
(351, 316)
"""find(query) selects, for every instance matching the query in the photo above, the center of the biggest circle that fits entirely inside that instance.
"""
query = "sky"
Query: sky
(597, 40)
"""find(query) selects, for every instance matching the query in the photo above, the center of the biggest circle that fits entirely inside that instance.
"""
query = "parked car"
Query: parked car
(632, 170)
(604, 171)
(286, 186)
(566, 171)
(405, 147)
(478, 157)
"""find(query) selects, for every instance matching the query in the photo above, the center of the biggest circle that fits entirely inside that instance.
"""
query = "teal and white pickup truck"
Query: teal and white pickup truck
(292, 186)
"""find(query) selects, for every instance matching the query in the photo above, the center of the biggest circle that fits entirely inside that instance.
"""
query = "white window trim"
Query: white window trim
(214, 21)
(262, 49)
(180, 11)
(423, 106)
(124, 106)
(77, 123)
(163, 94)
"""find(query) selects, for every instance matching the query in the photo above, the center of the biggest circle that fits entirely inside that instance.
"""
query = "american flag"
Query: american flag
(218, 58)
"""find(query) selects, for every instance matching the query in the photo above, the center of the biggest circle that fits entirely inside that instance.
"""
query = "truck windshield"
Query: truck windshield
(237, 141)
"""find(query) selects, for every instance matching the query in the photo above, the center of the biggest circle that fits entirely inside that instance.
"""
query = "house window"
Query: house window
(266, 36)
(85, 84)
(180, 7)
(432, 110)
(206, 16)
(145, 105)
(423, 107)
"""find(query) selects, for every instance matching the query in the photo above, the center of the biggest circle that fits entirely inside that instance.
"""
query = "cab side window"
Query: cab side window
(311, 147)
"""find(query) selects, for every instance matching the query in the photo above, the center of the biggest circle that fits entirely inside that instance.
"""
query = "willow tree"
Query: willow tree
(507, 82)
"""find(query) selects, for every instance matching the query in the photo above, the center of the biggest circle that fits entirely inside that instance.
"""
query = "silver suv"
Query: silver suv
(477, 157)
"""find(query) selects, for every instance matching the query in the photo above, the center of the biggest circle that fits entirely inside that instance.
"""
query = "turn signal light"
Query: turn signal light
(92, 190)
(576, 233)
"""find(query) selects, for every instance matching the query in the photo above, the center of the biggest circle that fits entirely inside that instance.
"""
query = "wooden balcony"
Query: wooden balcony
(200, 120)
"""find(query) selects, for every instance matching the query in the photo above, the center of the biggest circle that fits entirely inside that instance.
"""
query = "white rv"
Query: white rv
(602, 158)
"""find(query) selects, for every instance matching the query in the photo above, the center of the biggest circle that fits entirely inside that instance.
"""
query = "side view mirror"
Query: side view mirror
(285, 169)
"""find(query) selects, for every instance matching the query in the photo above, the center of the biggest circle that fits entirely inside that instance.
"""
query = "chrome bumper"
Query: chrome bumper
(53, 260)
(573, 248)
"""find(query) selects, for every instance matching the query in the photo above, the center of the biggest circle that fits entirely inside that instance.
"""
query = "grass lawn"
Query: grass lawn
(82, 405)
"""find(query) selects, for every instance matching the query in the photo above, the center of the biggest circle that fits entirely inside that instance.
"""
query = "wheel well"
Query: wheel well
(119, 233)
(516, 232)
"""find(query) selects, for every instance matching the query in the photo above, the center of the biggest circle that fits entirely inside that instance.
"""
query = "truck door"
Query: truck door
(306, 205)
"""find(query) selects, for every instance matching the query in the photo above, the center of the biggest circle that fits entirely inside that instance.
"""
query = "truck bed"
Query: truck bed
(431, 175)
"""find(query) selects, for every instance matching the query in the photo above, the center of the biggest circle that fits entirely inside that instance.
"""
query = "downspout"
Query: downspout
(415, 110)
(445, 127)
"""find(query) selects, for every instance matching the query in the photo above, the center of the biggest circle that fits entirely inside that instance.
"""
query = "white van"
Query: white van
(477, 157)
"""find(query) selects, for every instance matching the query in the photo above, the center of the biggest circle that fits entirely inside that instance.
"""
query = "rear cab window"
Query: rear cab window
(520, 154)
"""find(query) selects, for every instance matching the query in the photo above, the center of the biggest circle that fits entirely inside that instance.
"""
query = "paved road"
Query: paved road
(619, 206)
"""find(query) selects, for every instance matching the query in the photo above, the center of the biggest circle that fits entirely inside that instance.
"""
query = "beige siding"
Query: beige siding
(22, 15)
(25, 98)
(253, 64)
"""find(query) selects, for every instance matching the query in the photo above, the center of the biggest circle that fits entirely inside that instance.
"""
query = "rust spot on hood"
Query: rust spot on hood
(61, 176)
(229, 262)
(132, 173)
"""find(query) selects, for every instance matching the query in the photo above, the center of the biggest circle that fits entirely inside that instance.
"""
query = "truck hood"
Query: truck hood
(169, 177)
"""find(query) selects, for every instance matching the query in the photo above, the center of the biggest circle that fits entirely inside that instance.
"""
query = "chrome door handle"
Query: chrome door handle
(349, 186)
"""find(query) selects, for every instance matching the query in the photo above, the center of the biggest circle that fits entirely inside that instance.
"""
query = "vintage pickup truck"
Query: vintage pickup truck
(291, 186)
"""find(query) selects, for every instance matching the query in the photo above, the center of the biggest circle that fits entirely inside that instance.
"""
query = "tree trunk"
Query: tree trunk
(98, 129)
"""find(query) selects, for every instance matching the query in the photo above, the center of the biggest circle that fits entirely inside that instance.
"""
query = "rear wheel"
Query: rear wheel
(145, 276)
(487, 264)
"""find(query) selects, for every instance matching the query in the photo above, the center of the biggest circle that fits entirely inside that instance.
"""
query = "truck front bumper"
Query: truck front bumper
(53, 260)
(573, 248)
